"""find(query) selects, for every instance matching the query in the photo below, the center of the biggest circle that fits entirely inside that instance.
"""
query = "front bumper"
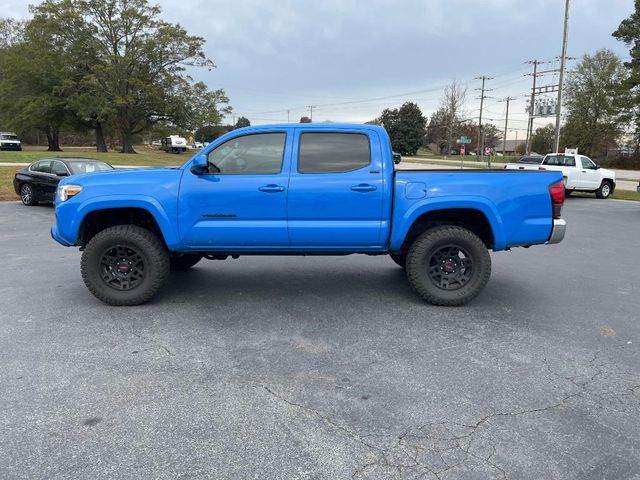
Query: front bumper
(558, 231)
(11, 146)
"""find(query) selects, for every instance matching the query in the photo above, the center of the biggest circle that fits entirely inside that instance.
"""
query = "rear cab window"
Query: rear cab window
(333, 152)
(560, 160)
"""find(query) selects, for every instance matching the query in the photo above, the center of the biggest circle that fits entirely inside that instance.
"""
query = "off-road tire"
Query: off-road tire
(423, 249)
(183, 262)
(400, 259)
(154, 255)
(605, 190)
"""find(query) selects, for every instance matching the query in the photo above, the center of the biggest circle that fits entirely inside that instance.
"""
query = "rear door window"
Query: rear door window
(328, 152)
(43, 166)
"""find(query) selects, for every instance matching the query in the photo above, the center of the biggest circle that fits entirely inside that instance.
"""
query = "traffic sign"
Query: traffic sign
(464, 140)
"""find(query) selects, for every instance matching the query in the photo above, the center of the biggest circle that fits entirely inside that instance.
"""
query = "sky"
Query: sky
(353, 58)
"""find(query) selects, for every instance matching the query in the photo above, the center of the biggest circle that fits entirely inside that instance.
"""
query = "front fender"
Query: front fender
(402, 222)
(71, 214)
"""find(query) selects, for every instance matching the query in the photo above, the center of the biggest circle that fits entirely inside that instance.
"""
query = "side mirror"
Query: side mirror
(200, 165)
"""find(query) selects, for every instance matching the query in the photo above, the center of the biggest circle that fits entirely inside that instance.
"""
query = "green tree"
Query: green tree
(32, 76)
(204, 107)
(492, 135)
(406, 127)
(542, 140)
(629, 32)
(134, 61)
(594, 103)
(242, 122)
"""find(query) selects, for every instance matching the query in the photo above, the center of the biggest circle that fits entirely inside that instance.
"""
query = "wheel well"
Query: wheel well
(97, 221)
(469, 218)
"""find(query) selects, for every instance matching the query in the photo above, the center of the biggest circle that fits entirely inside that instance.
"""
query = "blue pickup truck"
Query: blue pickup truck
(309, 189)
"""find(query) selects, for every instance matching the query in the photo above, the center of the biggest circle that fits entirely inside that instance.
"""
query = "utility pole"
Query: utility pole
(506, 123)
(311, 107)
(563, 58)
(480, 129)
(288, 112)
(531, 103)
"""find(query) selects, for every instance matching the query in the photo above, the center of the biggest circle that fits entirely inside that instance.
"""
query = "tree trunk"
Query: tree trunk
(53, 139)
(127, 144)
(101, 144)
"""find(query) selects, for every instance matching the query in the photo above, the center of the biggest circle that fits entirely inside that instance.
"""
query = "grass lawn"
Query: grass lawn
(147, 155)
(6, 183)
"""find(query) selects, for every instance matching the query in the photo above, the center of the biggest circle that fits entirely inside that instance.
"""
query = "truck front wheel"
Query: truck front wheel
(605, 189)
(124, 265)
(448, 265)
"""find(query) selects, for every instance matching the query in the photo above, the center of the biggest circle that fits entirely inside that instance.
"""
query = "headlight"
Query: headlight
(65, 192)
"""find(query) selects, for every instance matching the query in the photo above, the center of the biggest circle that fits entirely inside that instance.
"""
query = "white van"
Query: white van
(9, 141)
(173, 144)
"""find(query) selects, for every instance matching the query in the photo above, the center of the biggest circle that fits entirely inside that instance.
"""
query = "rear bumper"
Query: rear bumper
(558, 231)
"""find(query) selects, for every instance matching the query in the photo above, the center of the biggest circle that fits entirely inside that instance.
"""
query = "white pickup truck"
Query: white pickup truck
(580, 173)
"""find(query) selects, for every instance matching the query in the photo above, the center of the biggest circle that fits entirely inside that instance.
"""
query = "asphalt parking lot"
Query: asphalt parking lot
(326, 367)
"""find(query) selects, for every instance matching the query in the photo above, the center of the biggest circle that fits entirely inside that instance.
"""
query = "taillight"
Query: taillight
(557, 198)
(541, 168)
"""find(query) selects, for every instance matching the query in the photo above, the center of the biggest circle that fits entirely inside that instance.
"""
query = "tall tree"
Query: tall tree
(135, 61)
(32, 75)
(406, 127)
(629, 32)
(595, 103)
(452, 105)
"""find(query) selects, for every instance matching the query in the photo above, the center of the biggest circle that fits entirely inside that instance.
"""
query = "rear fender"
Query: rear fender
(403, 222)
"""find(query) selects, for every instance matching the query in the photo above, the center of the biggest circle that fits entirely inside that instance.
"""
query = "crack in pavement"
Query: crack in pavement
(434, 450)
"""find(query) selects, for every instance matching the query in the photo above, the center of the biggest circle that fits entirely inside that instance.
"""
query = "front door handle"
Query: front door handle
(271, 188)
(364, 187)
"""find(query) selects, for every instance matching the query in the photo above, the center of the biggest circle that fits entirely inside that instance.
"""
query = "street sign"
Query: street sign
(463, 140)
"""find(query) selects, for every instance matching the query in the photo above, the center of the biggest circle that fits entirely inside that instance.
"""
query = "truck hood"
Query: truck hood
(116, 176)
(607, 173)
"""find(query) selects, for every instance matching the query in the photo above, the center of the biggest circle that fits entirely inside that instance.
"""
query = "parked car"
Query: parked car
(304, 189)
(580, 173)
(197, 145)
(173, 144)
(10, 141)
(38, 182)
(397, 158)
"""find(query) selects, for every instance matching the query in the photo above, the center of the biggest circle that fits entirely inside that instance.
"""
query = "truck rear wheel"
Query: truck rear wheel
(448, 265)
(400, 259)
(124, 265)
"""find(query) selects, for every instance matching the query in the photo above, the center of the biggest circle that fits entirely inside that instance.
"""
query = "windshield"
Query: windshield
(79, 166)
(6, 136)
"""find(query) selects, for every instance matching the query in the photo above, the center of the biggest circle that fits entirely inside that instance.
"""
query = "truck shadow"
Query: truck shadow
(236, 283)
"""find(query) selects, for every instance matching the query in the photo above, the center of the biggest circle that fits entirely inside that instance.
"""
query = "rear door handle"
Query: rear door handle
(271, 188)
(364, 187)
